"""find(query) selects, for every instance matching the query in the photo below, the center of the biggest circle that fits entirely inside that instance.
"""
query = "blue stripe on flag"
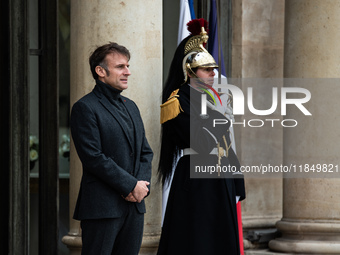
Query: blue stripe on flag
(192, 10)
(213, 36)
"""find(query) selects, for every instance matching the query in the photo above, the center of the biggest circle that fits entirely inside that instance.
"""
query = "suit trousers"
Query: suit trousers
(116, 236)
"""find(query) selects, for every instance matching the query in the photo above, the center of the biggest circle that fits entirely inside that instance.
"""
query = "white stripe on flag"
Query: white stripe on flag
(184, 18)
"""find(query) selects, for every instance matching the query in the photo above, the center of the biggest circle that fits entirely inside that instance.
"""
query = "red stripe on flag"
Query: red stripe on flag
(240, 229)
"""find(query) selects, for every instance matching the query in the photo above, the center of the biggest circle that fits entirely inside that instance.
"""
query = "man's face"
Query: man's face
(206, 74)
(118, 67)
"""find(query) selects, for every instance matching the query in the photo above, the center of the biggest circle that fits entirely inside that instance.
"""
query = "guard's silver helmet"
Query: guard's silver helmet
(196, 55)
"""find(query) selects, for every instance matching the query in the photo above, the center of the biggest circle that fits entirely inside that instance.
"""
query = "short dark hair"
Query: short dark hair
(97, 58)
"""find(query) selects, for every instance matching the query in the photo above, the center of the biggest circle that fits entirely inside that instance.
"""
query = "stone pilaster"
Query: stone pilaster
(311, 219)
(138, 26)
(257, 54)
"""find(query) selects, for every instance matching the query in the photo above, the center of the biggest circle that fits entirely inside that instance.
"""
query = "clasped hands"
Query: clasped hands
(139, 192)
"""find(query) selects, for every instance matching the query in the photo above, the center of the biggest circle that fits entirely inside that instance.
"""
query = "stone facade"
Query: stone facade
(272, 39)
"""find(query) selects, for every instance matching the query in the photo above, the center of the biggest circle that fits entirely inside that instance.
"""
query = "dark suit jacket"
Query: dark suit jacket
(112, 163)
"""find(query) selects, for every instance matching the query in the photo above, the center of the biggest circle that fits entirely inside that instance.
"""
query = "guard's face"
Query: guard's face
(118, 67)
(206, 74)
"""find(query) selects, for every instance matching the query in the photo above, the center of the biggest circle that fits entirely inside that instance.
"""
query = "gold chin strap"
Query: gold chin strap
(186, 66)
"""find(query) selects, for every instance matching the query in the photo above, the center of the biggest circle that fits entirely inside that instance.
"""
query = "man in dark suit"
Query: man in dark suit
(109, 137)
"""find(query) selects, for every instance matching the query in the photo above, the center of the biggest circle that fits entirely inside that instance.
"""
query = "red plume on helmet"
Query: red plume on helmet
(194, 26)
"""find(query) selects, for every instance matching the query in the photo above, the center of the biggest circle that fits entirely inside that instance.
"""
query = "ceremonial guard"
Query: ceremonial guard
(200, 216)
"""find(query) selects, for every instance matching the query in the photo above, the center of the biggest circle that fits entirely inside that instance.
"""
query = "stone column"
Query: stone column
(311, 206)
(257, 57)
(138, 26)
